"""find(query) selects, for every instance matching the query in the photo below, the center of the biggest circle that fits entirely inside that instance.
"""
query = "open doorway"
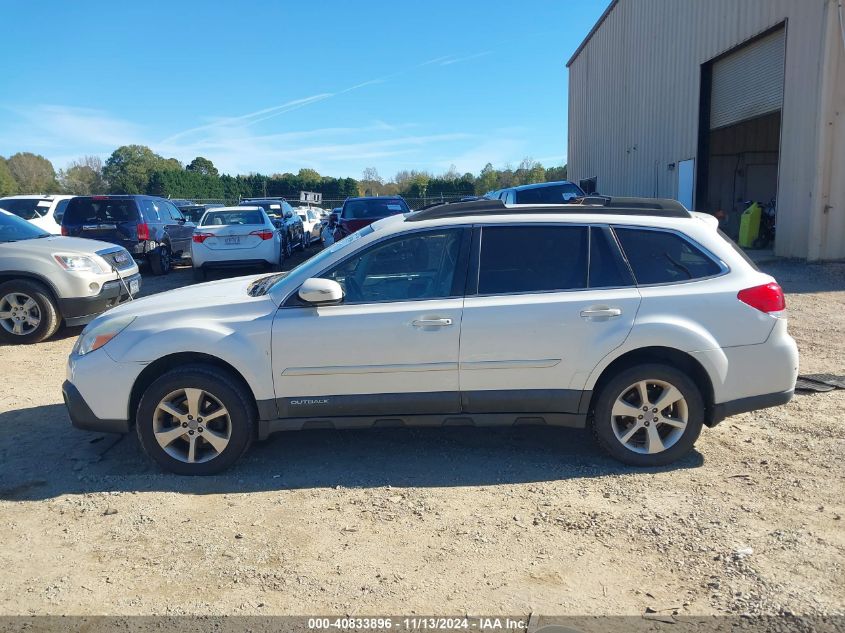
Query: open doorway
(739, 138)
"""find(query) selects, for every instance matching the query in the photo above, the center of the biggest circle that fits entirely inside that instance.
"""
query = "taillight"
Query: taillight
(65, 231)
(765, 298)
(143, 231)
(264, 235)
(199, 238)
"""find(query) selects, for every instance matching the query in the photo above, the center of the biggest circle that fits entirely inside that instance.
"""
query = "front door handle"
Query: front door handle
(431, 322)
(601, 313)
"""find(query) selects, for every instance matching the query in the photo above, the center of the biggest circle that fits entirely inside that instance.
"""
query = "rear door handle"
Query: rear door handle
(431, 322)
(598, 313)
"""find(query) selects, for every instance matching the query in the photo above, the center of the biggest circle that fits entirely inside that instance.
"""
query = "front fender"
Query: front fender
(245, 347)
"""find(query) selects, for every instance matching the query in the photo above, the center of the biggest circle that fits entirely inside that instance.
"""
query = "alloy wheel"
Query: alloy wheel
(192, 425)
(19, 314)
(649, 416)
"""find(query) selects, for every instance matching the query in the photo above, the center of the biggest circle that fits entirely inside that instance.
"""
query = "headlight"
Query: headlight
(100, 334)
(78, 263)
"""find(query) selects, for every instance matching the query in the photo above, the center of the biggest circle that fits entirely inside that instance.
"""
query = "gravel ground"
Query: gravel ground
(432, 521)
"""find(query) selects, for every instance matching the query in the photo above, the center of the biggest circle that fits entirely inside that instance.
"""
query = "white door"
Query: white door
(391, 347)
(542, 318)
(686, 182)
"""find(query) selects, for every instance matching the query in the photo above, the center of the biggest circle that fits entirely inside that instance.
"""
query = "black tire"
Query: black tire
(21, 290)
(222, 386)
(301, 246)
(603, 422)
(307, 238)
(160, 260)
(287, 250)
(200, 273)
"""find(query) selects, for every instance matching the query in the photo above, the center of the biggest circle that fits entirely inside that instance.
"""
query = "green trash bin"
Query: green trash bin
(749, 225)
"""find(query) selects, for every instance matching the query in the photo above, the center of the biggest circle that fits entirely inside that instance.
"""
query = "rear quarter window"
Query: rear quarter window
(659, 257)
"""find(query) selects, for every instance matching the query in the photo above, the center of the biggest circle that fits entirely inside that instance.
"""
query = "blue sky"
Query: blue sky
(275, 86)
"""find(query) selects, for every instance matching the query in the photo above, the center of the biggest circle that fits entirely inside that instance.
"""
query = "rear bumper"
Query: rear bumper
(752, 403)
(82, 310)
(83, 418)
(235, 263)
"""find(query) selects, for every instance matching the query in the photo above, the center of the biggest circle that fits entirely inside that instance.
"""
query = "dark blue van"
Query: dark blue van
(152, 229)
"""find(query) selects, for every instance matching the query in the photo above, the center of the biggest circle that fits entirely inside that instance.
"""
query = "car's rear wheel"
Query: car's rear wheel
(27, 312)
(160, 260)
(649, 415)
(200, 273)
(307, 240)
(196, 420)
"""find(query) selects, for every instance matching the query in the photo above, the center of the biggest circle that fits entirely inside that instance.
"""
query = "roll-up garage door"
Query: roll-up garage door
(749, 82)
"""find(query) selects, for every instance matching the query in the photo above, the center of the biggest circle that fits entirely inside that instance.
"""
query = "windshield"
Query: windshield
(556, 194)
(14, 229)
(81, 210)
(375, 208)
(227, 218)
(315, 263)
(26, 208)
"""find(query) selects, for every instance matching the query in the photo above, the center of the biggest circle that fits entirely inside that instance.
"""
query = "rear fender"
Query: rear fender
(675, 333)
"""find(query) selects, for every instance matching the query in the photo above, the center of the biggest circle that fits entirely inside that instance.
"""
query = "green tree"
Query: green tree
(33, 173)
(8, 185)
(555, 173)
(84, 177)
(203, 166)
(488, 180)
(129, 167)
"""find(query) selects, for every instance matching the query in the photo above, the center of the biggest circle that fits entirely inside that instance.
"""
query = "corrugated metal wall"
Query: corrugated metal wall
(634, 96)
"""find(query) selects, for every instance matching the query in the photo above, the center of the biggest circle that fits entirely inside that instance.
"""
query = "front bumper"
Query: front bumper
(82, 310)
(83, 418)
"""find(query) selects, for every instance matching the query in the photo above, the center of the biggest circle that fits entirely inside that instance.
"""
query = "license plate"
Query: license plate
(232, 240)
(134, 286)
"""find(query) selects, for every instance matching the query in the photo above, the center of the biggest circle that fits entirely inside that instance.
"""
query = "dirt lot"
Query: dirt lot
(431, 521)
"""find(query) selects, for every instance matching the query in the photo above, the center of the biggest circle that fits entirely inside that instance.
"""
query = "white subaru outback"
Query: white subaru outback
(632, 317)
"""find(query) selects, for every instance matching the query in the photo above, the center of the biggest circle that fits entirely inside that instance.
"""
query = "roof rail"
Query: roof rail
(250, 199)
(590, 204)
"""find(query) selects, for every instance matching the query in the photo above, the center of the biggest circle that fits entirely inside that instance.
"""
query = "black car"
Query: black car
(558, 192)
(194, 212)
(283, 216)
(152, 229)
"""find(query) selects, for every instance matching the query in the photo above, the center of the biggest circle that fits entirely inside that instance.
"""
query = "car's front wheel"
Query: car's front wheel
(27, 312)
(196, 420)
(648, 415)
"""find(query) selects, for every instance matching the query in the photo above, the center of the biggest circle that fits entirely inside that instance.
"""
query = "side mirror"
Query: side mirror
(333, 218)
(288, 214)
(320, 291)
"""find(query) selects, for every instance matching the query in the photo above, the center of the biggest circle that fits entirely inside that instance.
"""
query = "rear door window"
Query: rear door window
(91, 210)
(660, 257)
(517, 259)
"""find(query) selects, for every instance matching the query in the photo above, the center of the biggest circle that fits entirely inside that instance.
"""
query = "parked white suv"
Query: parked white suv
(636, 318)
(45, 212)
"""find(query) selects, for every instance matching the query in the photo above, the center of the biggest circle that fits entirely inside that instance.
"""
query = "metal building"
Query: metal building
(716, 102)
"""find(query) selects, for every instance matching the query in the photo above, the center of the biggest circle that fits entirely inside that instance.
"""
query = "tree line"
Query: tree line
(137, 169)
